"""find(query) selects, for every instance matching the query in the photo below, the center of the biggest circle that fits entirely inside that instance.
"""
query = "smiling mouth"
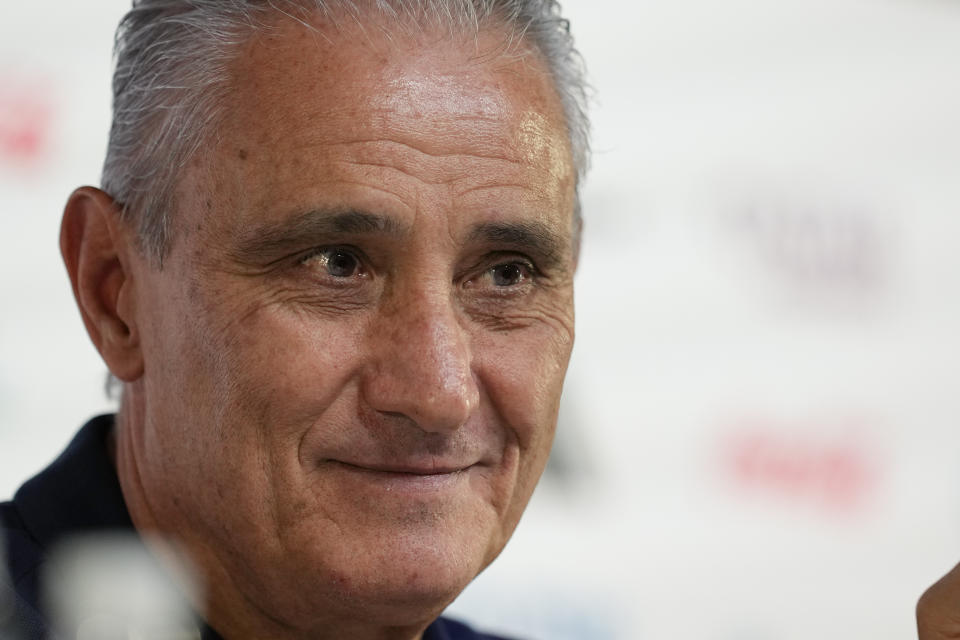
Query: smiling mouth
(403, 470)
(402, 478)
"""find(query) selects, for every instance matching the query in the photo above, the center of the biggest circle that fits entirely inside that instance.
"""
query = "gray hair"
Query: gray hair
(172, 59)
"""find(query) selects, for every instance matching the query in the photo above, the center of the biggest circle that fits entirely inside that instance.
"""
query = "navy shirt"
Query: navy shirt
(79, 493)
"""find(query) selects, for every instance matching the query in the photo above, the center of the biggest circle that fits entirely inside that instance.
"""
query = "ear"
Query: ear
(98, 251)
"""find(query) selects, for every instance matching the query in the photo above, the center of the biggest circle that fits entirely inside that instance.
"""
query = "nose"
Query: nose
(420, 366)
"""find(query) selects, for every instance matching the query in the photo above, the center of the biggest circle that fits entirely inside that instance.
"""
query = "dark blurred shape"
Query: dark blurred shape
(9, 628)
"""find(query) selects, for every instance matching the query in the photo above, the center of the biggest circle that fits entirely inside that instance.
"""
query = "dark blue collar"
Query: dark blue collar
(78, 493)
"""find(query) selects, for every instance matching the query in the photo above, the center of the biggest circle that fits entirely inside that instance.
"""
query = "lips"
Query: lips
(404, 480)
(405, 469)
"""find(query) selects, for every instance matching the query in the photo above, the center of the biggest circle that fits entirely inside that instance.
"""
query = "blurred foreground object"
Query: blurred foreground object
(109, 587)
(938, 612)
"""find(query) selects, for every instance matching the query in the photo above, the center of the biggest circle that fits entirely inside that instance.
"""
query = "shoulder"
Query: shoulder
(23, 553)
(78, 493)
(19, 577)
(449, 629)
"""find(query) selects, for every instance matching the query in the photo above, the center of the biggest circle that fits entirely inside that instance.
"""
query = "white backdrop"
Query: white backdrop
(761, 432)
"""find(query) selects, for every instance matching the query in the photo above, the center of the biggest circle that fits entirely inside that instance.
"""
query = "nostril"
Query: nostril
(421, 365)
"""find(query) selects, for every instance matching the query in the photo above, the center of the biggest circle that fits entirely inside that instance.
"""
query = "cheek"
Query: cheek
(254, 377)
(523, 379)
(523, 373)
(245, 378)
(283, 367)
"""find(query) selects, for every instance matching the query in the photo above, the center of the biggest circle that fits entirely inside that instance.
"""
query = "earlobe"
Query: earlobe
(98, 250)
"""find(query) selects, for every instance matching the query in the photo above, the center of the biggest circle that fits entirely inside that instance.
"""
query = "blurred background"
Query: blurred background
(761, 431)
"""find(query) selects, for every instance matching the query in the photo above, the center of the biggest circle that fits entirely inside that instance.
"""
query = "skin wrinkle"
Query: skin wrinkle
(262, 248)
(414, 147)
(516, 236)
(492, 185)
(272, 376)
(265, 244)
(536, 236)
(452, 181)
(514, 44)
(464, 173)
(409, 145)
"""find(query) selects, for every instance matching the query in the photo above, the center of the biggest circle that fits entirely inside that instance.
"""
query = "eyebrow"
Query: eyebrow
(535, 237)
(263, 242)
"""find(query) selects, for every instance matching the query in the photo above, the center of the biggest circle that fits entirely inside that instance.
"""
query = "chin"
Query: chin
(417, 567)
(403, 576)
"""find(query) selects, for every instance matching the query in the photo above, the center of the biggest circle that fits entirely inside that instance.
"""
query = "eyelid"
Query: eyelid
(489, 262)
(505, 256)
(313, 252)
(514, 258)
(364, 269)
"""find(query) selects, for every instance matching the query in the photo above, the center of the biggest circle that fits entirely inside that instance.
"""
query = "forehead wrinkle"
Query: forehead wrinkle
(491, 185)
(454, 176)
(423, 151)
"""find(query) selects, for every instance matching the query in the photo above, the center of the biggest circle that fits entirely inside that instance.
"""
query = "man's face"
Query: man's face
(355, 350)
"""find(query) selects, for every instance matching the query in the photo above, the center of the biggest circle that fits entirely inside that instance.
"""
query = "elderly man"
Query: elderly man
(331, 265)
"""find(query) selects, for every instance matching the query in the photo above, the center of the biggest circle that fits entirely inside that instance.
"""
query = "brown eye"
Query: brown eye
(509, 274)
(339, 263)
(342, 264)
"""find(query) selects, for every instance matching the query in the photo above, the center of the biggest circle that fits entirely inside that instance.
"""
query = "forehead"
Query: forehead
(402, 72)
(430, 102)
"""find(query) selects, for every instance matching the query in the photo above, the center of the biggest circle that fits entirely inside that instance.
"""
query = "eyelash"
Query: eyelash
(317, 253)
(529, 271)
